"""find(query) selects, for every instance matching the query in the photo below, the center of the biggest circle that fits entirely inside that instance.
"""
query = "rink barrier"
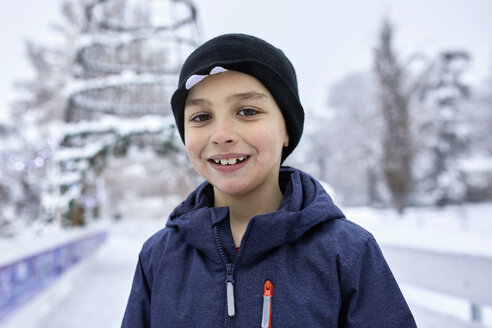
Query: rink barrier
(465, 276)
(24, 278)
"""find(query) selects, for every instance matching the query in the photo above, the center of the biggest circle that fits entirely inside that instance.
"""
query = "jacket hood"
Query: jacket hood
(305, 205)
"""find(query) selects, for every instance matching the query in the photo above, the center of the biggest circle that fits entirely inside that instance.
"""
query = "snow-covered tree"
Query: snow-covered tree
(401, 132)
(475, 164)
(394, 103)
(22, 166)
(356, 129)
(443, 131)
(481, 117)
(341, 145)
(41, 98)
(26, 146)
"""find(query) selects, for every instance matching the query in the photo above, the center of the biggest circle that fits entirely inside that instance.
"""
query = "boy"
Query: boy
(256, 245)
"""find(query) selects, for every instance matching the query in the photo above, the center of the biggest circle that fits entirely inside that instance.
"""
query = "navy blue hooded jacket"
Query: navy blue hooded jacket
(325, 270)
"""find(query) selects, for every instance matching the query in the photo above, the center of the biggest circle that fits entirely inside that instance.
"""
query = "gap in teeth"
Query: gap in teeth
(229, 161)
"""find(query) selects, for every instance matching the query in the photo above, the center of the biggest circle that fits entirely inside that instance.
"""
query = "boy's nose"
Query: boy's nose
(223, 134)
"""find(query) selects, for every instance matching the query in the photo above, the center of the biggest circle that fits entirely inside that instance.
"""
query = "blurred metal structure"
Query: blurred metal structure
(127, 62)
(130, 57)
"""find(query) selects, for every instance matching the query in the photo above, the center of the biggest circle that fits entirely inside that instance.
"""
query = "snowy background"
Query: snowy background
(87, 143)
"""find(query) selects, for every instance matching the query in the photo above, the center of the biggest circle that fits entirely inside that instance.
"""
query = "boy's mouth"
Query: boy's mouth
(228, 161)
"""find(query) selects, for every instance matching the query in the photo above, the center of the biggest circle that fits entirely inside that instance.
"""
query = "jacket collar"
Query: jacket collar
(305, 205)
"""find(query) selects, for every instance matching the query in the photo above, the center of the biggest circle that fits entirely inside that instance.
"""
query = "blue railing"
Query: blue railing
(22, 279)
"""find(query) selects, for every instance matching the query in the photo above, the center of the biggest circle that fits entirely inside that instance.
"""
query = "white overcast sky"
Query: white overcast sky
(324, 39)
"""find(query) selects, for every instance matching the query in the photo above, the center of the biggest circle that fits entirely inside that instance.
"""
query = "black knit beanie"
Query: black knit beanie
(253, 56)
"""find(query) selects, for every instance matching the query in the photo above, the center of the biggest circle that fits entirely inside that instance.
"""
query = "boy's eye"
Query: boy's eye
(200, 118)
(247, 112)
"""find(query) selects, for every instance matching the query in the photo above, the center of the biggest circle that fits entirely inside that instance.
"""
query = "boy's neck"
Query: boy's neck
(242, 208)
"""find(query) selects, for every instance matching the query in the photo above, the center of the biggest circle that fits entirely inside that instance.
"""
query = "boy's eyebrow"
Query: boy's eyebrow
(246, 96)
(197, 102)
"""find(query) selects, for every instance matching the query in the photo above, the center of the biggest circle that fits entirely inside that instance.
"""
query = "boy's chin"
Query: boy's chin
(231, 190)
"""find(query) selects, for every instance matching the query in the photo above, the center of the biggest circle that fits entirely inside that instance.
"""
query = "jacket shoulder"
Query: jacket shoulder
(347, 232)
(346, 239)
(156, 246)
(158, 241)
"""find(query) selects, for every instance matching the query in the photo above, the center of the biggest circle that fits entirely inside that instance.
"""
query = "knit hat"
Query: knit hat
(250, 55)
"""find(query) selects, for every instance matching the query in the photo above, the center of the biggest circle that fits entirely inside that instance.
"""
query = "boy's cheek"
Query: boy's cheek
(191, 154)
(190, 151)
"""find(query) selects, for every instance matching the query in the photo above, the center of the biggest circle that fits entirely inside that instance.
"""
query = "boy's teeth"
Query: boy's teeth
(229, 161)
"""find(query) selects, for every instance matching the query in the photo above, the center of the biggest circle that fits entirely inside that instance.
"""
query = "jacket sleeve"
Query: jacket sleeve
(137, 313)
(370, 295)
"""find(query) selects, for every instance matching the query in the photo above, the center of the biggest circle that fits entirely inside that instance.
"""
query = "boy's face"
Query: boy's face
(234, 133)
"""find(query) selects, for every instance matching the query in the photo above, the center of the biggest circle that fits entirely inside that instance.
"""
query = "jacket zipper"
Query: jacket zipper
(229, 282)
(266, 317)
(231, 306)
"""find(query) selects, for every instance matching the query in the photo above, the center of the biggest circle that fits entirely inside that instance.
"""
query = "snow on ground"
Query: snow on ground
(94, 293)
(465, 229)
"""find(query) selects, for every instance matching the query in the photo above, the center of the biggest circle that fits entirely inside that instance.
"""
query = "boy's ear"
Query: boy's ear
(286, 143)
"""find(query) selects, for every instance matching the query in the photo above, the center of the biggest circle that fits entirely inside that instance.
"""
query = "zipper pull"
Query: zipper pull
(266, 318)
(231, 310)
